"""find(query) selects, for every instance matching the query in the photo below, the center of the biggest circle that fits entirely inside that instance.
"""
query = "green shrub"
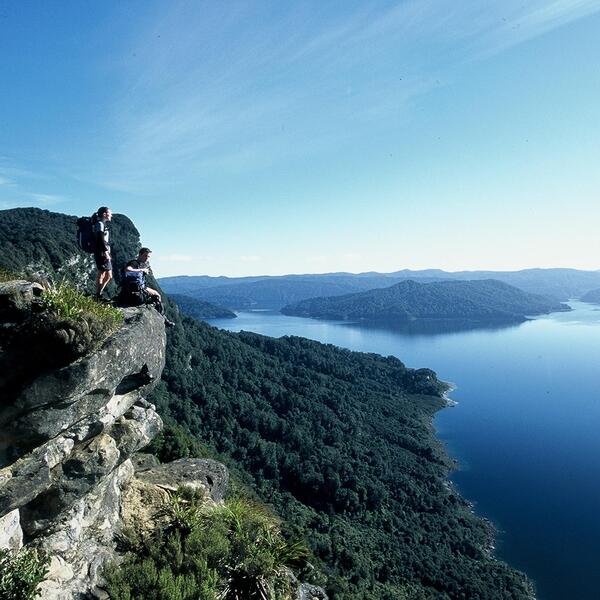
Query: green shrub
(21, 574)
(175, 442)
(227, 552)
(65, 302)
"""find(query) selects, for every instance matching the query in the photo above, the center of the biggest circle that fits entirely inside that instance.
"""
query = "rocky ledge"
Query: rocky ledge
(67, 436)
(72, 479)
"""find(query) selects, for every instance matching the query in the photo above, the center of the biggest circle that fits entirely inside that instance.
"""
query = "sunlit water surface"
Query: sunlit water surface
(526, 430)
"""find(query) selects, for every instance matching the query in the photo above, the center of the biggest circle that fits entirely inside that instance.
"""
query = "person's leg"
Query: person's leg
(160, 308)
(158, 305)
(106, 277)
(99, 280)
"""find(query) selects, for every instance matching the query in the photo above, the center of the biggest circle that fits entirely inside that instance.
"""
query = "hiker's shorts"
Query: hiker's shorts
(103, 263)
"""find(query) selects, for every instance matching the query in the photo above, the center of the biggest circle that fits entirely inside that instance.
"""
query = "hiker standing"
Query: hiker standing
(135, 290)
(102, 249)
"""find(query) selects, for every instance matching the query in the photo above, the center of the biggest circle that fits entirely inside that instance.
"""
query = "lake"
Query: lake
(525, 431)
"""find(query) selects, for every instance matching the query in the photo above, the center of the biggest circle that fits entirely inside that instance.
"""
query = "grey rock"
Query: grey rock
(311, 592)
(199, 473)
(82, 540)
(11, 534)
(87, 465)
(67, 435)
(146, 496)
(65, 444)
(16, 299)
(32, 475)
(104, 384)
(144, 462)
(136, 429)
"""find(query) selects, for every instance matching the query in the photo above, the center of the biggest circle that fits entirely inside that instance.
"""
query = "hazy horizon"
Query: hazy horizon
(290, 274)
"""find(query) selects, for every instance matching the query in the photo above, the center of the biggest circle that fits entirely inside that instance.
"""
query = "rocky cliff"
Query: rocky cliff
(68, 434)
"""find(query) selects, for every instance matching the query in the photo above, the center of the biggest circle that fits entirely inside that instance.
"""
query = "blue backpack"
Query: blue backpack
(133, 281)
(86, 239)
(132, 288)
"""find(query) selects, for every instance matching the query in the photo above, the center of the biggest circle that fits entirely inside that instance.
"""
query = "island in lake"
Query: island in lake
(410, 300)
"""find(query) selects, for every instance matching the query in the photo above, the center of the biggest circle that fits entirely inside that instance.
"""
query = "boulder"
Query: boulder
(197, 473)
(82, 540)
(11, 534)
(16, 300)
(70, 480)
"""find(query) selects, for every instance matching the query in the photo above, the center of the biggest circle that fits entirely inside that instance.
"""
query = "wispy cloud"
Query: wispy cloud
(515, 25)
(225, 87)
(250, 258)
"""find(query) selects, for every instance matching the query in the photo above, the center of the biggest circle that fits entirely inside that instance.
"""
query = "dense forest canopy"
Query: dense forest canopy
(339, 443)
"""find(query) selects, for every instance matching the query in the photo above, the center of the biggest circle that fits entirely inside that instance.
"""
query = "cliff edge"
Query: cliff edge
(67, 438)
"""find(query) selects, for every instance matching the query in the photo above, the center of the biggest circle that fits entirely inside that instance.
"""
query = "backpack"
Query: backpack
(132, 288)
(86, 239)
(132, 281)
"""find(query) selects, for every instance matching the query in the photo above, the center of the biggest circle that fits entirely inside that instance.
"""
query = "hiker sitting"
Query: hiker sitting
(134, 291)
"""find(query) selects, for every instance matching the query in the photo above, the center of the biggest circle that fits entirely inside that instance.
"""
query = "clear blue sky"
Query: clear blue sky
(276, 137)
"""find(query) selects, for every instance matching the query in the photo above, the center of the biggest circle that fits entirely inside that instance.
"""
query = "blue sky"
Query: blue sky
(268, 137)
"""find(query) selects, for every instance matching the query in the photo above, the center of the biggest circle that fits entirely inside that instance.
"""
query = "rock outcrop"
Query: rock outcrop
(66, 443)
(72, 479)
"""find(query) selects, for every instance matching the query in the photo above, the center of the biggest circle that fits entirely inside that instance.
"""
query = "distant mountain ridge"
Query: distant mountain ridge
(281, 290)
(593, 297)
(408, 300)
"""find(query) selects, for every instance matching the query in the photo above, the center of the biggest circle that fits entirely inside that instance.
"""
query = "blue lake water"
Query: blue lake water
(525, 431)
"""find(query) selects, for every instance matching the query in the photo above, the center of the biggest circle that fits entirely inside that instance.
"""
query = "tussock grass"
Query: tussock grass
(227, 552)
(65, 302)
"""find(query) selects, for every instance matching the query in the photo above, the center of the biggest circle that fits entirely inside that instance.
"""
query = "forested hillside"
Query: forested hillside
(409, 300)
(198, 309)
(593, 296)
(339, 443)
